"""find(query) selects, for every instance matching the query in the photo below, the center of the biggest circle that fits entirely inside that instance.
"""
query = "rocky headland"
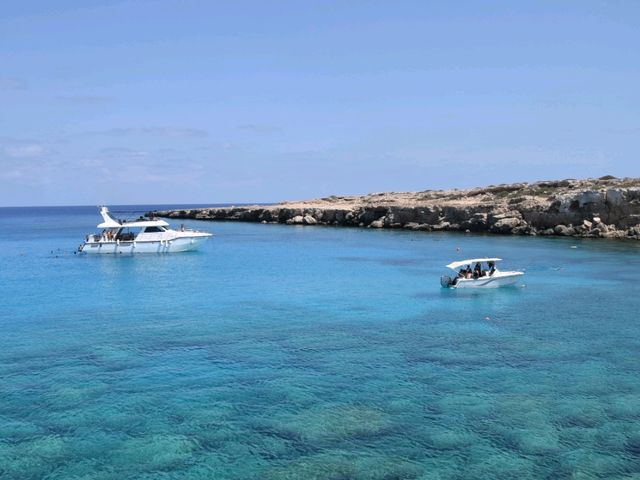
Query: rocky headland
(606, 207)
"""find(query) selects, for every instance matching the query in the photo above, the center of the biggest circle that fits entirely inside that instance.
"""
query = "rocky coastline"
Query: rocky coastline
(606, 207)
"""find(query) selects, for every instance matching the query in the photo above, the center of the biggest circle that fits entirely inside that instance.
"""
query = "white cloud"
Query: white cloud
(123, 152)
(157, 131)
(25, 151)
(259, 128)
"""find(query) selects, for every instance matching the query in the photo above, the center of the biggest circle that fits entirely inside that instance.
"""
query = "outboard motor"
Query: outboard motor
(446, 281)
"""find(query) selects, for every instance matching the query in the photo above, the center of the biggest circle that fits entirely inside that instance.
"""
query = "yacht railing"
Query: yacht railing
(104, 238)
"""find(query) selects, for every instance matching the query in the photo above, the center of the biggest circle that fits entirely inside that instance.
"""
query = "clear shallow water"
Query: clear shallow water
(314, 353)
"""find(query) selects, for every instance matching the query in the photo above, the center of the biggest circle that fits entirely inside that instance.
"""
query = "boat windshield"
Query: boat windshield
(154, 229)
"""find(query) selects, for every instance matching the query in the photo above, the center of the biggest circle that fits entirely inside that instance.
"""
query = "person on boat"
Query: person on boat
(468, 273)
(477, 270)
(492, 268)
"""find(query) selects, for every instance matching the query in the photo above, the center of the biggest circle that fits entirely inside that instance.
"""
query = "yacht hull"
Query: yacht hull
(501, 279)
(184, 244)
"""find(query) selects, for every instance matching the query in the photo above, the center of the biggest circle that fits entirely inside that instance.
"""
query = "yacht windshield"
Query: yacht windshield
(125, 235)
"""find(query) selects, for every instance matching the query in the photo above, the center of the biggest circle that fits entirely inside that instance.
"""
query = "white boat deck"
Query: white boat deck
(148, 236)
(473, 275)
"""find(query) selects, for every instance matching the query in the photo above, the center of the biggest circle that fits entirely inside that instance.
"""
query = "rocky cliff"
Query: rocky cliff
(606, 207)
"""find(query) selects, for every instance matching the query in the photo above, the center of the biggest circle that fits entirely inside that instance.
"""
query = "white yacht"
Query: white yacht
(145, 235)
(479, 273)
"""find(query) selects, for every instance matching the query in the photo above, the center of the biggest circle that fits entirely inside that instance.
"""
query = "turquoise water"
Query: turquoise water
(314, 353)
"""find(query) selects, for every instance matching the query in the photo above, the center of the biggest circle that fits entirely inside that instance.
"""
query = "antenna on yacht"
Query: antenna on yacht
(109, 221)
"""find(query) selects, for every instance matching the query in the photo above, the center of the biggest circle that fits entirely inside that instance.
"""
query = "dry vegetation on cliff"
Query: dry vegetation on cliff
(606, 207)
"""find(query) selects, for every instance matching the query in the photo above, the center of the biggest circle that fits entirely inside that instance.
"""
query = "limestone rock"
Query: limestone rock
(297, 220)
(614, 197)
(442, 226)
(606, 207)
(521, 230)
(564, 230)
(505, 225)
(479, 220)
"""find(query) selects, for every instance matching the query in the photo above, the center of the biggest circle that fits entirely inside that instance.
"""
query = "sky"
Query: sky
(120, 102)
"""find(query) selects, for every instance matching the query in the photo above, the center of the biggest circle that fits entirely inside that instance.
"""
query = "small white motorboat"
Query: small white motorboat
(479, 273)
(145, 235)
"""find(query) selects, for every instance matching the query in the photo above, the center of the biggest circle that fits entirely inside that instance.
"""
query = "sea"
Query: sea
(314, 353)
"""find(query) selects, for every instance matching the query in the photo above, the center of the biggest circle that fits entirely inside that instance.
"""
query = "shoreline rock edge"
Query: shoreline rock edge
(607, 207)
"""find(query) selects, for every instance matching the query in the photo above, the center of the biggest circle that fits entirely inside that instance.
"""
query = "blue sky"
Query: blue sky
(241, 101)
